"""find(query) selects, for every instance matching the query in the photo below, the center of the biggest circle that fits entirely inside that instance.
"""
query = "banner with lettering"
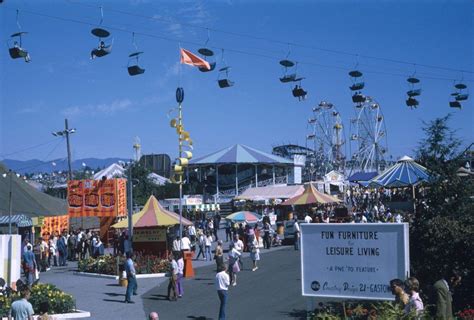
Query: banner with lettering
(53, 225)
(97, 198)
(353, 261)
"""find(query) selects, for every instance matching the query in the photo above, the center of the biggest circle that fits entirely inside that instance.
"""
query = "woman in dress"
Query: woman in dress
(234, 268)
(254, 252)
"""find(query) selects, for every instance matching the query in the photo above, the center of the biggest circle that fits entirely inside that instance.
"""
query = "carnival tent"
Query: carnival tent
(244, 216)
(152, 215)
(26, 200)
(405, 173)
(311, 196)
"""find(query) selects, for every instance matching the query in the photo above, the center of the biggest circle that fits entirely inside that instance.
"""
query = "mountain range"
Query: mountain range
(38, 166)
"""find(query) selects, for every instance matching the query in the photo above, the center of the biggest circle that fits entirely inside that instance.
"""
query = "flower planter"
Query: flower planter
(73, 315)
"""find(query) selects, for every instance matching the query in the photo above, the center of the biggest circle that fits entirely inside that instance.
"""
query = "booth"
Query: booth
(151, 226)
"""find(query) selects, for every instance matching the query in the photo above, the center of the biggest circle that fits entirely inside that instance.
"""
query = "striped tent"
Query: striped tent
(405, 173)
(311, 196)
(20, 220)
(152, 215)
(240, 154)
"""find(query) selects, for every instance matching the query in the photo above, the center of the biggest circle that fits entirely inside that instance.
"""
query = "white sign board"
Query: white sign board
(10, 258)
(353, 261)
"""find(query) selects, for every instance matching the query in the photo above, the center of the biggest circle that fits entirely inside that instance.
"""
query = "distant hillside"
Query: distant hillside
(38, 166)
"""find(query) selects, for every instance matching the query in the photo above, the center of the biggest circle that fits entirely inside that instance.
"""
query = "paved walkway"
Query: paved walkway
(272, 292)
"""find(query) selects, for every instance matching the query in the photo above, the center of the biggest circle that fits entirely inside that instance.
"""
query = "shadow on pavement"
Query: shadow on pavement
(113, 285)
(111, 300)
(199, 318)
(157, 297)
(113, 294)
(296, 314)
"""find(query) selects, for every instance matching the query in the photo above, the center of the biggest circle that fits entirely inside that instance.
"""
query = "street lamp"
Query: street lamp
(184, 141)
(65, 133)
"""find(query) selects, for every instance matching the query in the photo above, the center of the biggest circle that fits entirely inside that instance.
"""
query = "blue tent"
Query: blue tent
(239, 153)
(405, 173)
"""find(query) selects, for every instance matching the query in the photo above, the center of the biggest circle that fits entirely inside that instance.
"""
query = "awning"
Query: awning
(271, 192)
(20, 220)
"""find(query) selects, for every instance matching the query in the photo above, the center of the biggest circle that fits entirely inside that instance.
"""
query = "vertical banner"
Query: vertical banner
(97, 198)
(10, 258)
(121, 197)
(353, 261)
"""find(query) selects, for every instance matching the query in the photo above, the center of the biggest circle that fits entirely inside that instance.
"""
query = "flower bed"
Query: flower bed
(365, 311)
(59, 301)
(110, 265)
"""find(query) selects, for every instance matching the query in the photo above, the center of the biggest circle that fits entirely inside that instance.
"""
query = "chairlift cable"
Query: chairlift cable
(265, 56)
(347, 53)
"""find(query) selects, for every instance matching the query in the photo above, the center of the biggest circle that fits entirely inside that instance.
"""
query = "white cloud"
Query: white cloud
(102, 108)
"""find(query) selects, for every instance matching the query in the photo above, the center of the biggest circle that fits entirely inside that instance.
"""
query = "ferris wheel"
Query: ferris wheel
(368, 137)
(326, 137)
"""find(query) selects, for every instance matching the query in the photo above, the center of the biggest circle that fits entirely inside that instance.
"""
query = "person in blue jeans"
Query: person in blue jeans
(222, 285)
(131, 278)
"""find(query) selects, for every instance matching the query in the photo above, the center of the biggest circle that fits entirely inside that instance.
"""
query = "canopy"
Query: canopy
(26, 199)
(406, 172)
(113, 171)
(240, 154)
(362, 176)
(152, 215)
(271, 192)
(19, 219)
(311, 196)
(244, 216)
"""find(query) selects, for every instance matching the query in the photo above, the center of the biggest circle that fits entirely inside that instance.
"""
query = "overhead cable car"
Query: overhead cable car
(16, 50)
(357, 85)
(102, 49)
(133, 66)
(414, 92)
(15, 43)
(223, 77)
(208, 55)
(459, 95)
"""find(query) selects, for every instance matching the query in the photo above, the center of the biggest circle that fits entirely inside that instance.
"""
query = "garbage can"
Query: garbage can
(123, 282)
(188, 264)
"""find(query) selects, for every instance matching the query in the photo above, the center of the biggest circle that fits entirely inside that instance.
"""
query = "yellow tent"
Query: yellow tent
(152, 215)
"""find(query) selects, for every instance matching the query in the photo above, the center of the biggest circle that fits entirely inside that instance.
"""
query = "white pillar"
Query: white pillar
(256, 176)
(217, 181)
(236, 181)
(273, 171)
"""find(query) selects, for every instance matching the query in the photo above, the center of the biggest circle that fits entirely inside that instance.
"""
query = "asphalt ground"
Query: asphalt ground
(271, 292)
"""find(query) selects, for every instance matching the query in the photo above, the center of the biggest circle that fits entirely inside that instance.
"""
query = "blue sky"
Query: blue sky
(109, 108)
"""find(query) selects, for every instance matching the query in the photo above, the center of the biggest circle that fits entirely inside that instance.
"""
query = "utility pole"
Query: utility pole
(66, 132)
(10, 204)
(130, 207)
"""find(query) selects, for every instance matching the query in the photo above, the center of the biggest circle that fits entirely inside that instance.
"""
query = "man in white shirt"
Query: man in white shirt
(297, 234)
(308, 219)
(176, 246)
(239, 246)
(192, 233)
(185, 244)
(222, 286)
(398, 218)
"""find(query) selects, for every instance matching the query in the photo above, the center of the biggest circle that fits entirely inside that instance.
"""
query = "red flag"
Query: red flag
(193, 60)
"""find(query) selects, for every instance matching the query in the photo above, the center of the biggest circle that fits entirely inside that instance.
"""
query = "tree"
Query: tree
(442, 233)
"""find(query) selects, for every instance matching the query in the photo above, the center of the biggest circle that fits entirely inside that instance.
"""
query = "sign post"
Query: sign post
(353, 261)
